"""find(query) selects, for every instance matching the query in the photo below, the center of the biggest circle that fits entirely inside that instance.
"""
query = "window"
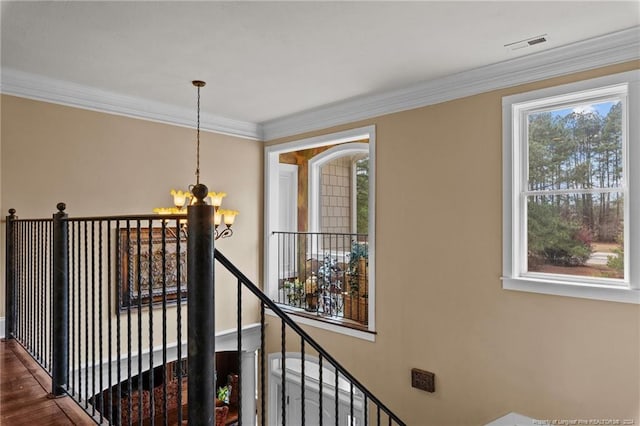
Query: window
(323, 270)
(571, 189)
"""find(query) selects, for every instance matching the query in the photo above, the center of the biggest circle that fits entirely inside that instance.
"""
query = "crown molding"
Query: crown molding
(597, 52)
(593, 53)
(41, 88)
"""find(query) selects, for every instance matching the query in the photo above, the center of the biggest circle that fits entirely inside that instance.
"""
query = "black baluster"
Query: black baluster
(80, 309)
(129, 302)
(72, 284)
(320, 389)
(60, 369)
(119, 303)
(109, 325)
(164, 320)
(366, 411)
(38, 300)
(30, 270)
(284, 369)
(86, 304)
(337, 403)
(100, 283)
(139, 306)
(262, 366)
(239, 341)
(179, 316)
(50, 298)
(93, 316)
(302, 382)
(151, 372)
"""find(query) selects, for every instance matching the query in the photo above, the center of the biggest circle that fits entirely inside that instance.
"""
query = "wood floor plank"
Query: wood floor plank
(24, 387)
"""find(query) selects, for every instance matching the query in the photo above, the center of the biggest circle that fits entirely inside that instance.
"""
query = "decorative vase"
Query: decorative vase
(311, 300)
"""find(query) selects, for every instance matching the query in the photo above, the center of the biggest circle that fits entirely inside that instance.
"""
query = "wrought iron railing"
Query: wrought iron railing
(28, 310)
(99, 303)
(323, 273)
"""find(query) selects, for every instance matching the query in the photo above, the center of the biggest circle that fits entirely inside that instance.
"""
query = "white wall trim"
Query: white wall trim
(369, 336)
(2, 330)
(588, 54)
(225, 340)
(41, 88)
(568, 289)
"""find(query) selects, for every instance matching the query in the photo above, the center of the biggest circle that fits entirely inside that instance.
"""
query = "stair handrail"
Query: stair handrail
(224, 261)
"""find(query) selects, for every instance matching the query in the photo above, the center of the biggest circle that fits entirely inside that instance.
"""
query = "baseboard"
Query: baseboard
(1, 327)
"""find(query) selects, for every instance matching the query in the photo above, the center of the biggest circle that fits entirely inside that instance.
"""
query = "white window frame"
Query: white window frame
(271, 200)
(514, 109)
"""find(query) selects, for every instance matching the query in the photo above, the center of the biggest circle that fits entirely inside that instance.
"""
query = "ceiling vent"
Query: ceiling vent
(528, 42)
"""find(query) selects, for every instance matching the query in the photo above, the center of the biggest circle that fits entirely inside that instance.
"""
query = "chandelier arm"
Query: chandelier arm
(224, 233)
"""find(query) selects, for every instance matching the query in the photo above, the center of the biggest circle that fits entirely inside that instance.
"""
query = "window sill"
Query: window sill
(559, 288)
(329, 324)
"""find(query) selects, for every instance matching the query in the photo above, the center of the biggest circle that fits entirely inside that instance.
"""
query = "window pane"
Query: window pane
(576, 148)
(362, 196)
(577, 234)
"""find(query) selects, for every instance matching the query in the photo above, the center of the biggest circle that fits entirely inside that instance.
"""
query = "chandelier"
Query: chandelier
(181, 198)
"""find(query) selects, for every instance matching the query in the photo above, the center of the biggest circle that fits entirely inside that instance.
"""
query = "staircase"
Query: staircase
(120, 311)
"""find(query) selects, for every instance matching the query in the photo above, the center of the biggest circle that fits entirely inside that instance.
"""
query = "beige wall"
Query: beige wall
(102, 164)
(440, 305)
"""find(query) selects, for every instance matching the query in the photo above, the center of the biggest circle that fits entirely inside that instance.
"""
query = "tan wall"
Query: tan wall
(440, 305)
(102, 164)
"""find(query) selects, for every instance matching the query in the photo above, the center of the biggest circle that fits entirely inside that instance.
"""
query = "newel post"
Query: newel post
(201, 310)
(10, 277)
(60, 301)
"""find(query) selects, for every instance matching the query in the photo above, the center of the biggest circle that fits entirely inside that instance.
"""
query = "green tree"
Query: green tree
(362, 196)
(553, 238)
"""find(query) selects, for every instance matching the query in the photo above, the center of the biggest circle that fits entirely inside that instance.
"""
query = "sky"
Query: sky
(602, 108)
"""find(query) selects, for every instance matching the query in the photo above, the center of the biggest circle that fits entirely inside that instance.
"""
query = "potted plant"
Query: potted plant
(356, 302)
(223, 393)
(295, 291)
(330, 286)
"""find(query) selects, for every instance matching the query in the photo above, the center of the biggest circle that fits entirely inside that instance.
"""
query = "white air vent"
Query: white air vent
(521, 44)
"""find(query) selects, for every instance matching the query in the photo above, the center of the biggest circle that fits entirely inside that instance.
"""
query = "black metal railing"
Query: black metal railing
(96, 301)
(370, 409)
(326, 274)
(28, 316)
(99, 302)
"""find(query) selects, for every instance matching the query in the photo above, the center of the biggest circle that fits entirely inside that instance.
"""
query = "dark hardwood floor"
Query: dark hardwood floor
(23, 393)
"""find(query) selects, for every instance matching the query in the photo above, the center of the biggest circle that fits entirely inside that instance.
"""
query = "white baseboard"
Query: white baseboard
(1, 327)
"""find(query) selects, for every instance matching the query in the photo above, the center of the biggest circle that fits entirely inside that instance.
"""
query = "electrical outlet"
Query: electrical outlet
(424, 380)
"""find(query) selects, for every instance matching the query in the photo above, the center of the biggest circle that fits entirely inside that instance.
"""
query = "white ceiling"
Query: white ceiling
(263, 61)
